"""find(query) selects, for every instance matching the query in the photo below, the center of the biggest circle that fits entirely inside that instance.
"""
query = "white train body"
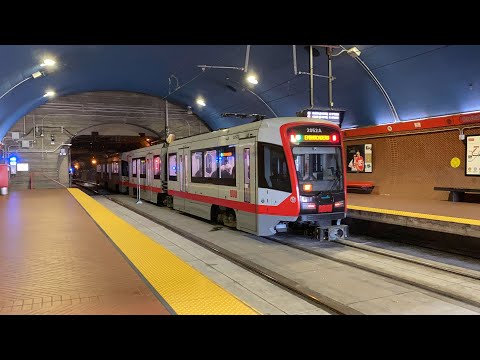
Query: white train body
(257, 177)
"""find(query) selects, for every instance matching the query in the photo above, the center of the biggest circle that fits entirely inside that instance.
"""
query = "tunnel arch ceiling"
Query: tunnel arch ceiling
(137, 118)
(422, 80)
(121, 129)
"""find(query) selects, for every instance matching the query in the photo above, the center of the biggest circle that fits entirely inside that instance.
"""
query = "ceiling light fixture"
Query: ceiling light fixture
(201, 102)
(48, 62)
(252, 79)
(37, 74)
(354, 52)
(49, 93)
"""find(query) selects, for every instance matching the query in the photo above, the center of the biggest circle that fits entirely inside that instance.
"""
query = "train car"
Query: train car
(112, 173)
(147, 173)
(116, 177)
(260, 177)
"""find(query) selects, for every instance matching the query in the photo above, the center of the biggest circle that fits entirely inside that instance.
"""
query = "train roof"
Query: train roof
(255, 125)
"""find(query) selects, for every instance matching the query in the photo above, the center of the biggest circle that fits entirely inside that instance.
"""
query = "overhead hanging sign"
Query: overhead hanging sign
(335, 116)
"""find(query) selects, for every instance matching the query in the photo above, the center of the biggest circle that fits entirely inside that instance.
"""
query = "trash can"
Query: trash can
(4, 191)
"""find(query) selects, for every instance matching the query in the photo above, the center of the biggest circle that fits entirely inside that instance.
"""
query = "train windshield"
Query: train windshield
(318, 168)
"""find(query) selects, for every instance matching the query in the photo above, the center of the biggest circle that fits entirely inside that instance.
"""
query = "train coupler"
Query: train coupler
(333, 232)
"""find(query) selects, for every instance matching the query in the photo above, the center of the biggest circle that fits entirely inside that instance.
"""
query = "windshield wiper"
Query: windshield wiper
(337, 179)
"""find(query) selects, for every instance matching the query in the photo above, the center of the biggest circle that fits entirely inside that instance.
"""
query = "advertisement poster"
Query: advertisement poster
(359, 158)
(473, 156)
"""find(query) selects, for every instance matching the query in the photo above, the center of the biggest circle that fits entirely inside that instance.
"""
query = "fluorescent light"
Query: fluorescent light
(48, 62)
(201, 102)
(49, 93)
(252, 79)
(37, 74)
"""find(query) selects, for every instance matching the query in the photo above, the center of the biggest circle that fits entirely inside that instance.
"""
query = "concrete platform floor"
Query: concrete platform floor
(54, 259)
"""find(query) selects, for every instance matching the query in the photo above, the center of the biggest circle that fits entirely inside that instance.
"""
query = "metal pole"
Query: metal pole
(311, 76)
(247, 55)
(294, 48)
(330, 78)
(166, 120)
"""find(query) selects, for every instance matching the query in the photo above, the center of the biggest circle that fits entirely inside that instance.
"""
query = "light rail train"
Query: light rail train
(261, 177)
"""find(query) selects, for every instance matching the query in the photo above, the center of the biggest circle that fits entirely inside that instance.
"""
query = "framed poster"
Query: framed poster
(359, 158)
(472, 157)
(22, 167)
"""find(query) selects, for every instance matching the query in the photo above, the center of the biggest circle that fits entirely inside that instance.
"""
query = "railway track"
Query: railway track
(321, 300)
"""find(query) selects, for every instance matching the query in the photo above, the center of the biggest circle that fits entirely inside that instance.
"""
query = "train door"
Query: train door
(149, 180)
(131, 178)
(246, 216)
(135, 176)
(179, 201)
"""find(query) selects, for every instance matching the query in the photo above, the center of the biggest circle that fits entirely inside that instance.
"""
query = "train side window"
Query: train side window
(156, 167)
(115, 167)
(197, 166)
(172, 167)
(134, 167)
(210, 169)
(272, 168)
(124, 168)
(227, 166)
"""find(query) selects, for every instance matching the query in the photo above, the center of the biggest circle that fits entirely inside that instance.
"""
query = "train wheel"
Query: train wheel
(229, 218)
(161, 200)
(214, 215)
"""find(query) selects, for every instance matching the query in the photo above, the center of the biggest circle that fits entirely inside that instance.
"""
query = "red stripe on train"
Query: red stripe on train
(143, 187)
(283, 209)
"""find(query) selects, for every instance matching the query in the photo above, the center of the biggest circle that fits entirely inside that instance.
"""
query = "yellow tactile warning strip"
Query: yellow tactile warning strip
(416, 215)
(185, 289)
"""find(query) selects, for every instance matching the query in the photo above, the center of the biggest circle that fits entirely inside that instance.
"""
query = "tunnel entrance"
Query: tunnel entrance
(89, 151)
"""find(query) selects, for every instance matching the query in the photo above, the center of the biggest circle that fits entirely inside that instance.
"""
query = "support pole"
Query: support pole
(330, 77)
(311, 76)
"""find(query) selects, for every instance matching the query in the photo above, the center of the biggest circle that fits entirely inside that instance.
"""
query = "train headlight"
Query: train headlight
(306, 199)
(307, 187)
(339, 203)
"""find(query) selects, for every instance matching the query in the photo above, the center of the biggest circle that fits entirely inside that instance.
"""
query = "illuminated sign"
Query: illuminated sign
(335, 116)
(22, 167)
(226, 154)
(316, 138)
(324, 115)
(296, 138)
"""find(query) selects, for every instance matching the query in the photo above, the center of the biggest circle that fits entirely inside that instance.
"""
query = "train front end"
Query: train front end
(316, 171)
(317, 154)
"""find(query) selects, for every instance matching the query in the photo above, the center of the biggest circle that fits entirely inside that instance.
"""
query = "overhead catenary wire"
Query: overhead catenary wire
(379, 85)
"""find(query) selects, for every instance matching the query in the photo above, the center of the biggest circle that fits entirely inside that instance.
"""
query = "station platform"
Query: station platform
(61, 252)
(458, 218)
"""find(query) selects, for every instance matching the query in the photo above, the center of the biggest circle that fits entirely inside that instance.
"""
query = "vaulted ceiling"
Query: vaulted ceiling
(420, 80)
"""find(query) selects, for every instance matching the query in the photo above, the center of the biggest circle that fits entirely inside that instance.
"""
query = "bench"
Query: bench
(456, 194)
(364, 187)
